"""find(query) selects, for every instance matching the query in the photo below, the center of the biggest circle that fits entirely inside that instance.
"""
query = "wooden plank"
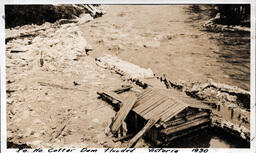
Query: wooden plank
(169, 111)
(154, 103)
(169, 105)
(155, 110)
(149, 124)
(154, 106)
(149, 90)
(139, 104)
(149, 103)
(184, 126)
(172, 113)
(113, 95)
(144, 99)
(123, 112)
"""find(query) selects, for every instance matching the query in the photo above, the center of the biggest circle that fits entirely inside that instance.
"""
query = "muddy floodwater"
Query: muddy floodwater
(170, 40)
(233, 58)
(233, 53)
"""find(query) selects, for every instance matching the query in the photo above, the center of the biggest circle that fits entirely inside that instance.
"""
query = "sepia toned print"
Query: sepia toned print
(128, 76)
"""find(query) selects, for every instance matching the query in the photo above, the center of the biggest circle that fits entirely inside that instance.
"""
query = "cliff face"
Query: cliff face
(18, 15)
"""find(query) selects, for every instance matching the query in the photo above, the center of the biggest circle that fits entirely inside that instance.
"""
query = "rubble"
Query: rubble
(234, 129)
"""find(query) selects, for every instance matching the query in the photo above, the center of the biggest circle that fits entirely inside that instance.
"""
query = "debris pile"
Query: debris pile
(51, 48)
(212, 92)
(217, 92)
(234, 129)
(128, 71)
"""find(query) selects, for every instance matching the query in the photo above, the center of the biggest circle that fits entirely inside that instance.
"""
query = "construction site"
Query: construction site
(127, 76)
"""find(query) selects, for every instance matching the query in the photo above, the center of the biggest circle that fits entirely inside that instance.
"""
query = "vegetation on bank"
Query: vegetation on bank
(233, 14)
(18, 15)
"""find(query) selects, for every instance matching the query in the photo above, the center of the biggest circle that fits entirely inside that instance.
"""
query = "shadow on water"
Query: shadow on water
(210, 138)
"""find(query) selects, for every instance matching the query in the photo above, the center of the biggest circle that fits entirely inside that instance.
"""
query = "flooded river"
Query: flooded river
(169, 39)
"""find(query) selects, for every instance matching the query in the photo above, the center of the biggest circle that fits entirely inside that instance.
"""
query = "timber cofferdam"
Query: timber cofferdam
(152, 109)
(157, 116)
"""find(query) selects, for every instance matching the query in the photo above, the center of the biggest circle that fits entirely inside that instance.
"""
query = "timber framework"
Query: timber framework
(154, 115)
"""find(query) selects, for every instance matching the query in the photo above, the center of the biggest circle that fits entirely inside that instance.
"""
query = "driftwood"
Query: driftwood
(112, 96)
(59, 86)
(58, 131)
(17, 51)
(122, 113)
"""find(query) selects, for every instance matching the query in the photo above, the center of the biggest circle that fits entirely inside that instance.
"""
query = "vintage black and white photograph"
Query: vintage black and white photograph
(128, 76)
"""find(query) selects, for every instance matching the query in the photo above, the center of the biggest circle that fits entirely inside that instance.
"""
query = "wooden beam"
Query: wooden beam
(122, 113)
(185, 126)
(111, 96)
(123, 89)
(186, 133)
(149, 124)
